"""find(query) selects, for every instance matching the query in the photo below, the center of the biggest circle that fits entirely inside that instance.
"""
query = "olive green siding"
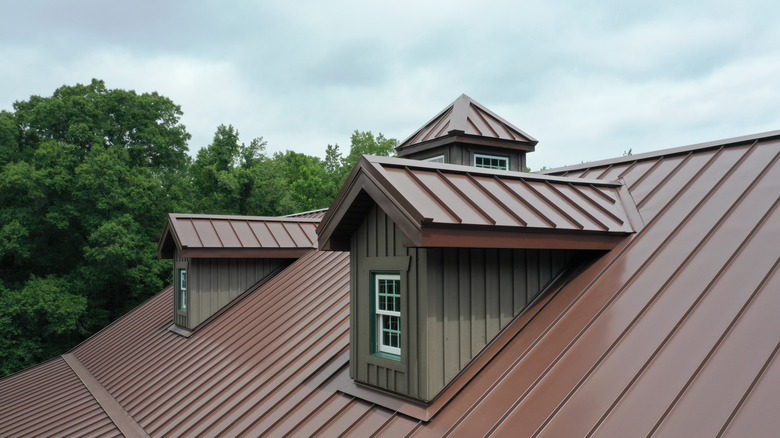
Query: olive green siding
(459, 153)
(213, 283)
(453, 302)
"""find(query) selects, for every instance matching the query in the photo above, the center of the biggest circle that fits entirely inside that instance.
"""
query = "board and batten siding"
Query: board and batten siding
(454, 301)
(212, 283)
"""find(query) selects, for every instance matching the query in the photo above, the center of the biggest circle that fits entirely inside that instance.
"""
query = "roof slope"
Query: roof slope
(198, 235)
(441, 205)
(50, 400)
(466, 120)
(673, 333)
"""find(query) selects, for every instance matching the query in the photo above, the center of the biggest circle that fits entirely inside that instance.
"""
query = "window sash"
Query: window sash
(491, 161)
(182, 289)
(387, 310)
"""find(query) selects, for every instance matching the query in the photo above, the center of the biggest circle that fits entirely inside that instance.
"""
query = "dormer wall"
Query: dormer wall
(453, 301)
(463, 154)
(212, 283)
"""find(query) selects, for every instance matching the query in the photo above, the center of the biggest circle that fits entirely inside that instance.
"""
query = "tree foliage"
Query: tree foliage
(87, 178)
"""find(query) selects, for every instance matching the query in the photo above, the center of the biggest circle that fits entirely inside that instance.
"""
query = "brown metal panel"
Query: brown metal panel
(646, 400)
(280, 234)
(187, 233)
(264, 235)
(244, 234)
(206, 233)
(227, 236)
(686, 296)
(757, 416)
(416, 194)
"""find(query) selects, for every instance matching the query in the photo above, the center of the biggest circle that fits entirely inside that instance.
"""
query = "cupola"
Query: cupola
(467, 133)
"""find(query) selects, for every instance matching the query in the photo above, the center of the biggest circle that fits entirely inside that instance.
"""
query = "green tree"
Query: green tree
(87, 177)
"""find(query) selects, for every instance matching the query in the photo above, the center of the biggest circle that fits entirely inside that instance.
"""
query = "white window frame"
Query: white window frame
(491, 157)
(182, 281)
(380, 345)
(435, 159)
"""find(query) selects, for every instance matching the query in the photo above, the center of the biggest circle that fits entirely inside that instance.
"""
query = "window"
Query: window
(387, 313)
(491, 161)
(182, 289)
(435, 159)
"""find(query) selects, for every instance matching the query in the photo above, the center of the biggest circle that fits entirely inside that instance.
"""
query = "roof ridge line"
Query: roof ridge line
(118, 415)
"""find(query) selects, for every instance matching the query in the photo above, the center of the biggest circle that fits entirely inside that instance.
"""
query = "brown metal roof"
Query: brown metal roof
(313, 214)
(467, 121)
(50, 400)
(672, 333)
(441, 205)
(217, 236)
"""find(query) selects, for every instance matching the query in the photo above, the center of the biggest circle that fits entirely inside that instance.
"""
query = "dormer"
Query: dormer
(444, 256)
(217, 258)
(469, 134)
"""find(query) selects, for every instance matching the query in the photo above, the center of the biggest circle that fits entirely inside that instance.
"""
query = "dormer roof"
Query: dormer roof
(466, 121)
(220, 236)
(444, 205)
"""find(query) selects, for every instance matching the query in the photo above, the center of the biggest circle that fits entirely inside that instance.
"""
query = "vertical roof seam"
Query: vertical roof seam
(251, 230)
(497, 200)
(749, 390)
(523, 201)
(595, 204)
(197, 234)
(554, 205)
(430, 192)
(230, 223)
(213, 227)
(628, 169)
(665, 180)
(479, 114)
(647, 173)
(577, 206)
(465, 197)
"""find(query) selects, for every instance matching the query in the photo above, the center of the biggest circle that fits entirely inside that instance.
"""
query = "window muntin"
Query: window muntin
(491, 161)
(435, 159)
(387, 311)
(182, 289)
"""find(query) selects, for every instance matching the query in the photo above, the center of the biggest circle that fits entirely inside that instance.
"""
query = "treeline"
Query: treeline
(87, 178)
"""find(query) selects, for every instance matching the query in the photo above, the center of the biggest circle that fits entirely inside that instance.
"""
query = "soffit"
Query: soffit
(466, 120)
(215, 236)
(439, 205)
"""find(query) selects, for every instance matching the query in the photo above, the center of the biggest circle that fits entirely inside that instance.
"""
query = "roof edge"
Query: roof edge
(733, 141)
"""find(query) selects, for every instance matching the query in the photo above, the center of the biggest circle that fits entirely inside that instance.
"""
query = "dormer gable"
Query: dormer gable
(217, 258)
(467, 133)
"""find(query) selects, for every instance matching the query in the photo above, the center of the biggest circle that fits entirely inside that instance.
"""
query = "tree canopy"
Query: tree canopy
(87, 178)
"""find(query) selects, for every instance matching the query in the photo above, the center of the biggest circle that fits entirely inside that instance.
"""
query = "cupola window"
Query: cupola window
(491, 161)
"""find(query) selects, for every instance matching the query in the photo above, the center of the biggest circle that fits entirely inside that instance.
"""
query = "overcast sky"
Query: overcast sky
(589, 80)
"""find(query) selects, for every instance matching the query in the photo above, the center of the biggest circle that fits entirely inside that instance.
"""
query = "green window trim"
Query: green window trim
(181, 296)
(386, 314)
